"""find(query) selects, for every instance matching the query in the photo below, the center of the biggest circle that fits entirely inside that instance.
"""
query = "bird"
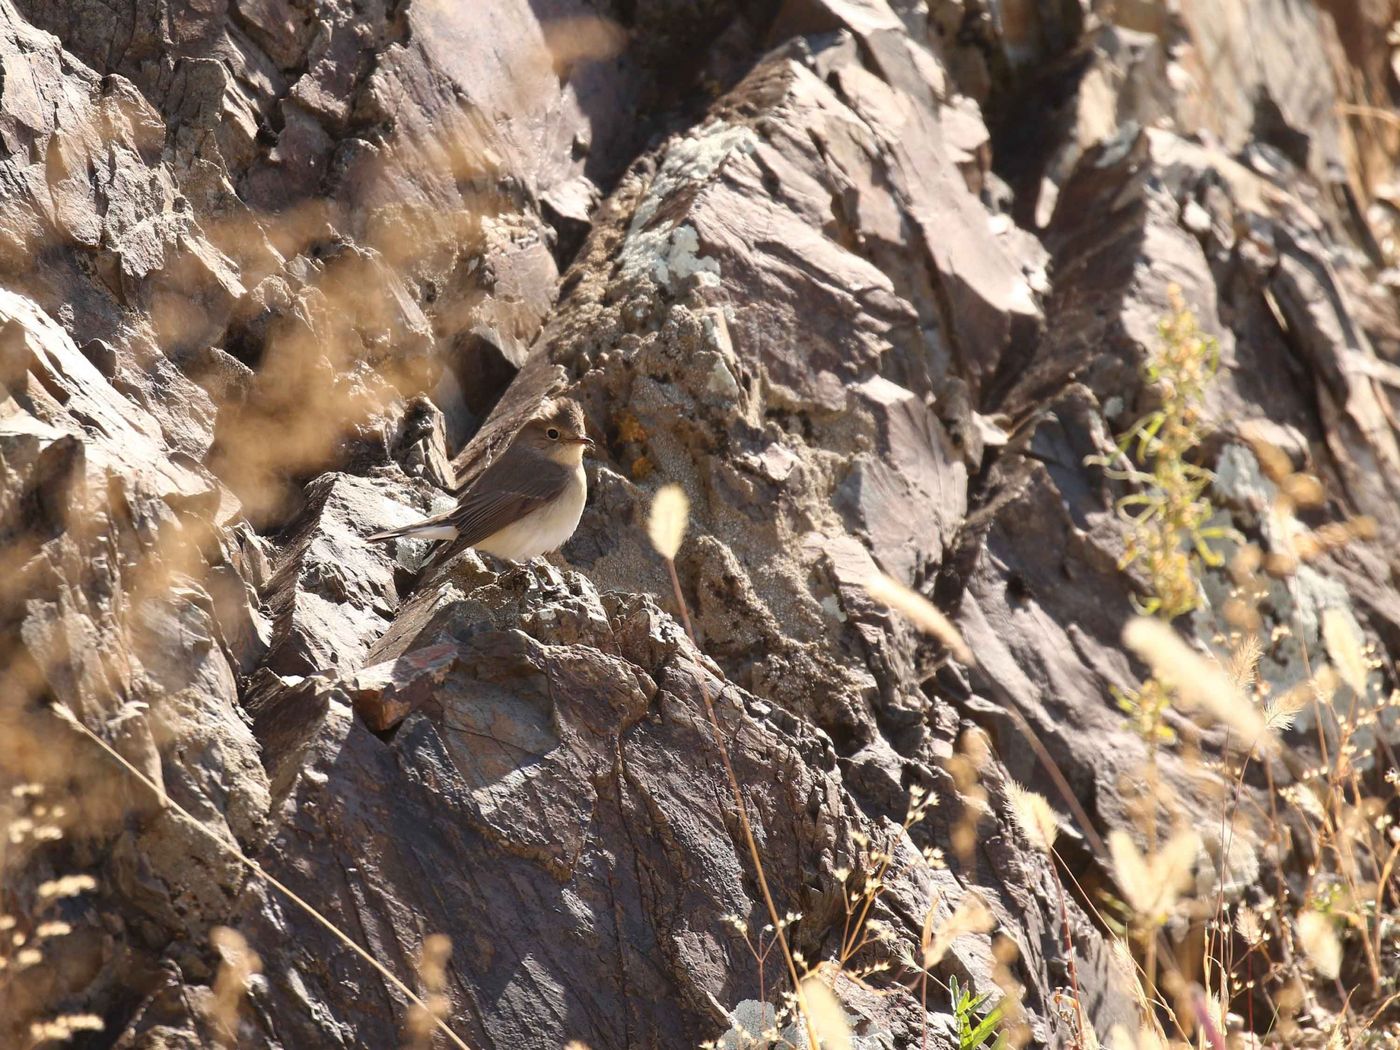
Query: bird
(529, 500)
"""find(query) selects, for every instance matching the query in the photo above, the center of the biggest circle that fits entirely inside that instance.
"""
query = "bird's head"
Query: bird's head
(558, 431)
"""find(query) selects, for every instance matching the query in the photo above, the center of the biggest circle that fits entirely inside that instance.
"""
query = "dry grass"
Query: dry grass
(237, 966)
(334, 360)
(1296, 957)
(1313, 957)
(31, 926)
(1304, 956)
(667, 528)
(1307, 955)
(425, 1008)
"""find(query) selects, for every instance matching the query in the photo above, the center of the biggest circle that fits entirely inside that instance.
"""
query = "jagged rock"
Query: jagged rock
(111, 610)
(421, 445)
(578, 793)
(385, 694)
(873, 281)
(333, 590)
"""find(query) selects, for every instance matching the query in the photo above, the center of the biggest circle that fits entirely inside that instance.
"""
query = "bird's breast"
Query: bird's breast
(544, 529)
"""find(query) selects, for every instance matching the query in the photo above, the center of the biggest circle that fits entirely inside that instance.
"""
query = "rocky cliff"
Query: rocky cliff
(877, 283)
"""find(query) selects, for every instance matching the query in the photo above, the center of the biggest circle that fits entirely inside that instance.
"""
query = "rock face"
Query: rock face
(873, 281)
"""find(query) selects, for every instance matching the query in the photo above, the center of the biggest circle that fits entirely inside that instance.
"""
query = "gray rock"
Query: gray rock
(872, 281)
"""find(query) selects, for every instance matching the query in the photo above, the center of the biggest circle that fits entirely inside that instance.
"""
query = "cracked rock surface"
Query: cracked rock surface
(873, 281)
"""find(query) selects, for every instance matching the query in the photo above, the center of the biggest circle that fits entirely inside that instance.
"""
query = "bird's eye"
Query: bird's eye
(552, 433)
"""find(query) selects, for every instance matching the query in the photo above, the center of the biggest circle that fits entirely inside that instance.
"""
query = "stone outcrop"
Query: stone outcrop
(873, 281)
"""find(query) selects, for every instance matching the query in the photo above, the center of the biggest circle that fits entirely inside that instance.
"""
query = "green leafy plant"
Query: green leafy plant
(1169, 535)
(1286, 942)
(972, 1033)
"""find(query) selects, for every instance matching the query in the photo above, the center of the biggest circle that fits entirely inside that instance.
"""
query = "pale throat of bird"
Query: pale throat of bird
(569, 455)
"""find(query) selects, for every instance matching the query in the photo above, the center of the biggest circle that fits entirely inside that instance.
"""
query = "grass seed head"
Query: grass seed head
(670, 513)
(825, 1013)
(1199, 682)
(1034, 815)
(1320, 943)
(921, 612)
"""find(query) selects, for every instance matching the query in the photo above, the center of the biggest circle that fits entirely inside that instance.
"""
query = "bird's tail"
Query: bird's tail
(435, 528)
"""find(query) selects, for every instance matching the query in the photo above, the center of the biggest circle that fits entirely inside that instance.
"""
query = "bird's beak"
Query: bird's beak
(586, 442)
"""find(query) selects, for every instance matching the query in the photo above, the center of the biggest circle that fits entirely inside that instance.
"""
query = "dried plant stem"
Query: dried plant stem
(923, 1007)
(1373, 112)
(1069, 954)
(854, 940)
(1057, 776)
(1096, 842)
(1228, 810)
(1370, 1022)
(1204, 1019)
(743, 811)
(763, 989)
(1153, 787)
(1387, 871)
(1276, 840)
(257, 869)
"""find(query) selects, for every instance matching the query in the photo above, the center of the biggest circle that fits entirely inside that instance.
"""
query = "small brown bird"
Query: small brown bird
(529, 500)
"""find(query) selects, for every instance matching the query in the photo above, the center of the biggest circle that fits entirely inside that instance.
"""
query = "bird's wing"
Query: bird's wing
(536, 381)
(510, 488)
